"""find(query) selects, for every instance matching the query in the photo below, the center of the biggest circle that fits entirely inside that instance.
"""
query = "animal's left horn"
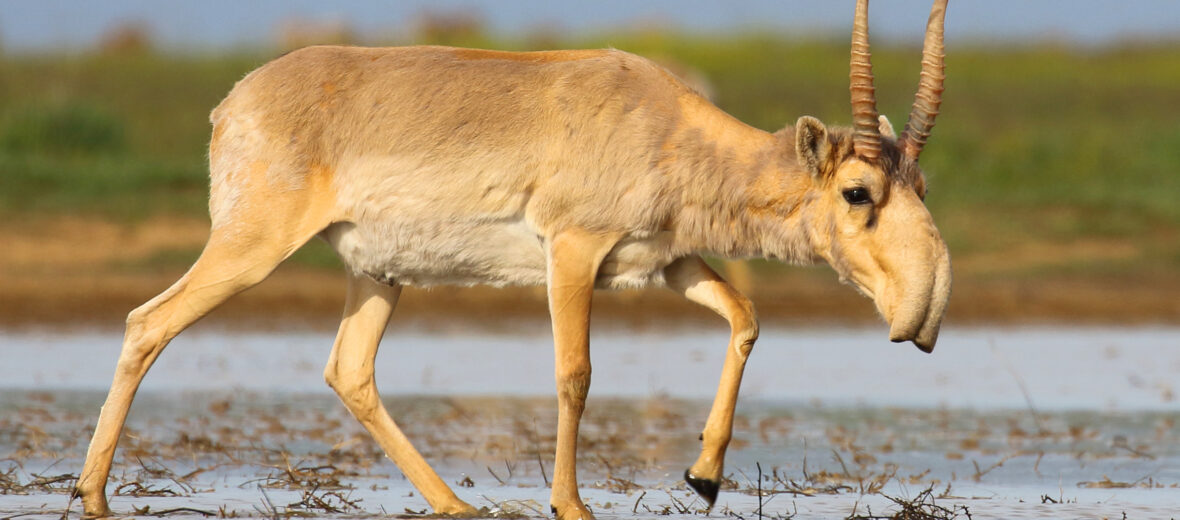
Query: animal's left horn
(930, 88)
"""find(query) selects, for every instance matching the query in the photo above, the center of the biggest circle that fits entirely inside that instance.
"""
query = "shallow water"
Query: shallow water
(1019, 423)
(1061, 368)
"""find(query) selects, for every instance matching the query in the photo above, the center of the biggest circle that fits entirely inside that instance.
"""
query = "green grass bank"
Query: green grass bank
(1046, 161)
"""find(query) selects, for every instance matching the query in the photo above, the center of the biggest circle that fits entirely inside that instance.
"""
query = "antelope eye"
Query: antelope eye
(857, 196)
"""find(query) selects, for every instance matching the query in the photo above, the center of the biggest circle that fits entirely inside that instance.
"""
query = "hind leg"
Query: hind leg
(251, 235)
(350, 374)
(227, 266)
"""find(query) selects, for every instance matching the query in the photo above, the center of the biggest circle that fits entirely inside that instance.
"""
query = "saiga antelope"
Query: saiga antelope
(574, 169)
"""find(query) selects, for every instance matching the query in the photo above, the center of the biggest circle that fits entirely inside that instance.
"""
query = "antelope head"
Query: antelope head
(870, 222)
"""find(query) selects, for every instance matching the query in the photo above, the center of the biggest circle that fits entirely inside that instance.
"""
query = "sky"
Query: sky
(37, 25)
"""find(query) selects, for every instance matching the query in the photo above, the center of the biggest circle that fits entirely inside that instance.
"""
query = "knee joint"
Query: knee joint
(745, 333)
(575, 383)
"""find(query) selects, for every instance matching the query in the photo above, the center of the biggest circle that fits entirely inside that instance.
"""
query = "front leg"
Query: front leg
(574, 258)
(692, 277)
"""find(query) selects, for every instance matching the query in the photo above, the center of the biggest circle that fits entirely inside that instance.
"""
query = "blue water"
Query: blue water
(1060, 368)
(1019, 423)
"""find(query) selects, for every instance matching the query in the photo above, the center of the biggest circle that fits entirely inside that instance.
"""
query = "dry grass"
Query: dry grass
(318, 459)
(922, 507)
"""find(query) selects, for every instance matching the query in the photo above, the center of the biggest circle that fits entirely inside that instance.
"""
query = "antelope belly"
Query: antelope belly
(427, 253)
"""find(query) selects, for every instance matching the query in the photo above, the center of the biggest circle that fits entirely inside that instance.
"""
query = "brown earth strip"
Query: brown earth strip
(72, 271)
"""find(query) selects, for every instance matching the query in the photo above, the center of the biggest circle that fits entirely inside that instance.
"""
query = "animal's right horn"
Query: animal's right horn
(866, 137)
(930, 88)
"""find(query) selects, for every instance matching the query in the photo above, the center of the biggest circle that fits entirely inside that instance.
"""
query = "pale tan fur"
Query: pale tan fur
(576, 169)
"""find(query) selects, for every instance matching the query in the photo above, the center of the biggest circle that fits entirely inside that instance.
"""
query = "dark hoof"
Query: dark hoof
(704, 487)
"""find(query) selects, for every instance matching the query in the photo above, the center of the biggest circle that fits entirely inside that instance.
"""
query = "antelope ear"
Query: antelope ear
(811, 145)
(886, 128)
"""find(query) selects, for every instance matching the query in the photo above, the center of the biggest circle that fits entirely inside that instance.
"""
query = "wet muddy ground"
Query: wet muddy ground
(1032, 423)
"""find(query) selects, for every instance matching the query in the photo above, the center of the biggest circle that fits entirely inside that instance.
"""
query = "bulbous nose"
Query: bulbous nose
(921, 325)
(901, 331)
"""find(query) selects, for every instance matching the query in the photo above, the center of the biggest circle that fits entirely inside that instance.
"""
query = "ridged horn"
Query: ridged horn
(930, 88)
(866, 138)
